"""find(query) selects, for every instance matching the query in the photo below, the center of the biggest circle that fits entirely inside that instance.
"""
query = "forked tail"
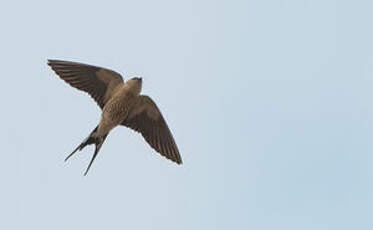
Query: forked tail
(98, 141)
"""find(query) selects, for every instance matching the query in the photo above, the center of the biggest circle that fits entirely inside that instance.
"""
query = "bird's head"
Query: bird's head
(135, 84)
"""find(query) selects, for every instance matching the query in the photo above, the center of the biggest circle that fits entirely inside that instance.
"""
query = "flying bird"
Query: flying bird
(121, 104)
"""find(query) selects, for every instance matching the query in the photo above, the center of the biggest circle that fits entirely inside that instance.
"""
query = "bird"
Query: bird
(121, 104)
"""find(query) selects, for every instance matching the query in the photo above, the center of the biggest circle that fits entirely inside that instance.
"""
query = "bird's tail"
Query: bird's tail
(91, 139)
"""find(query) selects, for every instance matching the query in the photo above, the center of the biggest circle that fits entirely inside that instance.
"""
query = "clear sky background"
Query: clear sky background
(270, 103)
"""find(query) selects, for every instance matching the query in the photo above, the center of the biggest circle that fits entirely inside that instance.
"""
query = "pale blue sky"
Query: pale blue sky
(270, 103)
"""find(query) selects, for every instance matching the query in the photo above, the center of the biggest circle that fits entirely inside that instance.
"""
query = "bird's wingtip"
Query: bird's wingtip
(51, 61)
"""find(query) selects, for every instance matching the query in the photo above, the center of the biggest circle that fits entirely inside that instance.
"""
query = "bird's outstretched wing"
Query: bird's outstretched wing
(146, 118)
(96, 81)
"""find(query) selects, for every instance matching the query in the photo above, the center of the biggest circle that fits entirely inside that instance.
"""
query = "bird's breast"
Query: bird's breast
(115, 111)
(117, 108)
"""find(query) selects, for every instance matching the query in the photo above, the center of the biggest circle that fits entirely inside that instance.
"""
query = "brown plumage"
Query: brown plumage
(121, 104)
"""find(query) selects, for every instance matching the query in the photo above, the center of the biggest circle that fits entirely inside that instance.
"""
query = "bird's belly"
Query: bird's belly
(113, 114)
